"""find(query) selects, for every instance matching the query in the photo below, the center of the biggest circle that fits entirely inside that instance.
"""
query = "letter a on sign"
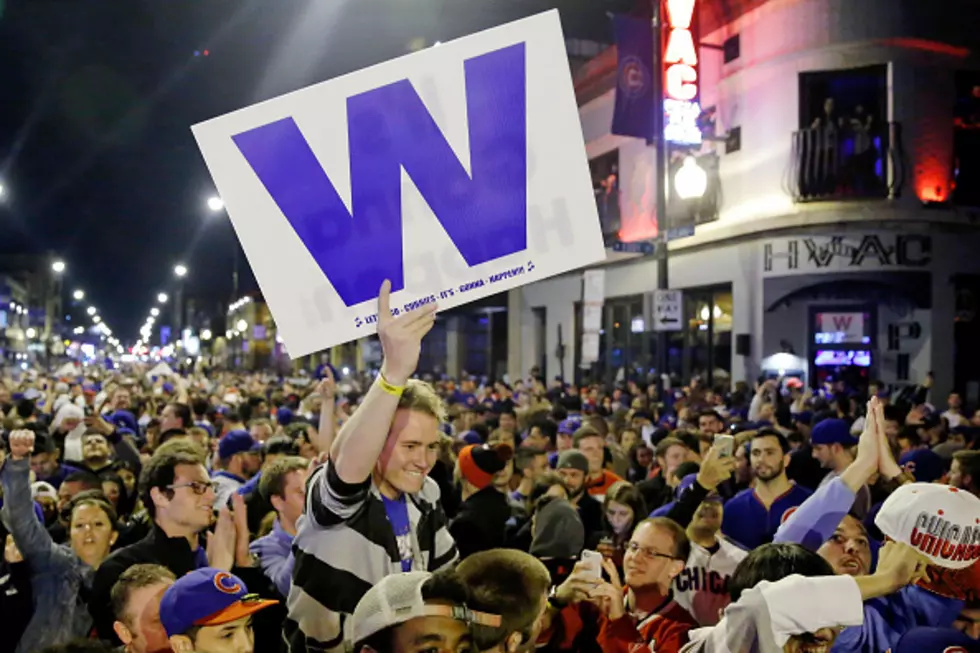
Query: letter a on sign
(455, 172)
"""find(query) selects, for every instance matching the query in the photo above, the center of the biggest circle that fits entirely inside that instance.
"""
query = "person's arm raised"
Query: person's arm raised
(866, 462)
(356, 449)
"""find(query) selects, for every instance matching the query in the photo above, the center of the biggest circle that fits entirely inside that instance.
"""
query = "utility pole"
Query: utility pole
(660, 166)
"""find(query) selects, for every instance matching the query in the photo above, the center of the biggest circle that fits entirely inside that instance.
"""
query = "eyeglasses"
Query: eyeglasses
(635, 548)
(199, 487)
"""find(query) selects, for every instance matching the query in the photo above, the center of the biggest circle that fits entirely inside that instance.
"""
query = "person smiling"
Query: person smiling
(60, 574)
(372, 510)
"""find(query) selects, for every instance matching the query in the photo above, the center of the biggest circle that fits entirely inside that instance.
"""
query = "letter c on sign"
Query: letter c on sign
(227, 583)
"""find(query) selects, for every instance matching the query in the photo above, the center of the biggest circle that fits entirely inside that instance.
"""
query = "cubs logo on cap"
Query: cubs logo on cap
(207, 597)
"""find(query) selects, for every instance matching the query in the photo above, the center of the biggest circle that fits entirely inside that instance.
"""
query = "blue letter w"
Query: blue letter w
(389, 129)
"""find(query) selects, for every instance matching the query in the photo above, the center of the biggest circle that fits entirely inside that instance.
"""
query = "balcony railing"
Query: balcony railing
(839, 164)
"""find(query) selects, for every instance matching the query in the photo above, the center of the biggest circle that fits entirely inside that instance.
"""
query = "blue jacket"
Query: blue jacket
(750, 524)
(275, 553)
(57, 574)
(886, 618)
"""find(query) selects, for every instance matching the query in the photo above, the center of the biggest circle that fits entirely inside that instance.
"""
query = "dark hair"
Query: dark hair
(508, 411)
(911, 434)
(159, 472)
(482, 430)
(773, 562)
(524, 458)
(710, 414)
(135, 578)
(91, 498)
(773, 433)
(444, 586)
(200, 406)
(626, 494)
(25, 408)
(273, 481)
(282, 444)
(508, 583)
(795, 437)
(183, 411)
(547, 427)
(88, 480)
(170, 434)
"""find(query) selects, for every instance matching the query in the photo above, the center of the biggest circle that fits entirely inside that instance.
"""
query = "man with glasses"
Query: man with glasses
(179, 497)
(641, 612)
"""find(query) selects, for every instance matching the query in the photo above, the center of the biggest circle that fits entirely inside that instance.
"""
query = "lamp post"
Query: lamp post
(660, 167)
(180, 271)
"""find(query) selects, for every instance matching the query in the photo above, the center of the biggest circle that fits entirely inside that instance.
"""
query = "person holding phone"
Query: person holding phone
(639, 611)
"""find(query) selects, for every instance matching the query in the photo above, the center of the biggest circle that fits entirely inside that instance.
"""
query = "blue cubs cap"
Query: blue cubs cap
(570, 425)
(207, 597)
(237, 442)
(936, 640)
(833, 431)
(924, 465)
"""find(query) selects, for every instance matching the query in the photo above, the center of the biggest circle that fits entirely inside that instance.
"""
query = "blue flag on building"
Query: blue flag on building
(633, 114)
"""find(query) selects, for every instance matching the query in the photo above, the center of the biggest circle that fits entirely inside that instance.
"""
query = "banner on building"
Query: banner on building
(456, 172)
(635, 104)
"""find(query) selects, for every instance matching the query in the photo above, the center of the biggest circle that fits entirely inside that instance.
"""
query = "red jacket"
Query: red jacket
(664, 631)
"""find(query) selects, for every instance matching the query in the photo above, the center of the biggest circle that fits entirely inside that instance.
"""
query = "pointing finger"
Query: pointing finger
(384, 300)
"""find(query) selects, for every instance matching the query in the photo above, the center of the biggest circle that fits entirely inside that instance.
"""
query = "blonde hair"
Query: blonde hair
(422, 397)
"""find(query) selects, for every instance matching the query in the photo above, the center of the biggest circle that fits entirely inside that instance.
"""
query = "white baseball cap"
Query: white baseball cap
(940, 521)
(397, 599)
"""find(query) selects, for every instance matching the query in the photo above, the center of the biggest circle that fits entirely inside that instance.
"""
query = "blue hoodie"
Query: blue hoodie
(886, 618)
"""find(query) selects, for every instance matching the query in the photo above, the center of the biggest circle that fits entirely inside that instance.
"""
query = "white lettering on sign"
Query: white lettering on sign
(681, 55)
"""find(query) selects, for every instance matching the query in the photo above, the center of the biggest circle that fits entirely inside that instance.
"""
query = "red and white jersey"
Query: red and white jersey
(702, 587)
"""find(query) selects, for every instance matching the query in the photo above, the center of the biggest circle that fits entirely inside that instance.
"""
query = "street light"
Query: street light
(96, 319)
(206, 334)
(79, 331)
(180, 270)
(162, 298)
(58, 267)
(79, 295)
(241, 325)
(215, 203)
(31, 332)
(91, 310)
(154, 311)
(691, 180)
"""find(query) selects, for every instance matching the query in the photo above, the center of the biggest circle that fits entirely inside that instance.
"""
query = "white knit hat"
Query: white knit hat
(942, 522)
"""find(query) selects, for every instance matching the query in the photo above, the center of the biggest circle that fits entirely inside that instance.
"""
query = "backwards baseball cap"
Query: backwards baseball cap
(479, 462)
(237, 442)
(935, 640)
(833, 431)
(397, 599)
(940, 521)
(573, 459)
(207, 597)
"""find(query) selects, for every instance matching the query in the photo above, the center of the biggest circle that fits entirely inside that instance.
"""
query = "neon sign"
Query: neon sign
(681, 73)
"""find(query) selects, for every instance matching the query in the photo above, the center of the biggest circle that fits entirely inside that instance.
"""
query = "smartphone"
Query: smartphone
(594, 560)
(89, 411)
(725, 445)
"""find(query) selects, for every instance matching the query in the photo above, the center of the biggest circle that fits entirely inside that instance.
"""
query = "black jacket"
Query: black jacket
(481, 522)
(175, 554)
(16, 602)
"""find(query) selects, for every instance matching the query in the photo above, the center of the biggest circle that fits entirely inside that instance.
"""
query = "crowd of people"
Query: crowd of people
(215, 511)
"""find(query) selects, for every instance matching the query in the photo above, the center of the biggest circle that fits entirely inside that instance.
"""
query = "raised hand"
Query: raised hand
(867, 450)
(327, 387)
(401, 337)
(21, 444)
(715, 469)
(222, 542)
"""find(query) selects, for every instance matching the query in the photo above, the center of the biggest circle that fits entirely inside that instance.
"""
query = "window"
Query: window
(843, 146)
(624, 342)
(605, 185)
(966, 139)
(732, 48)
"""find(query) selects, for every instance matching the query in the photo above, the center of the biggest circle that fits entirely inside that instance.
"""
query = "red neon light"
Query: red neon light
(681, 54)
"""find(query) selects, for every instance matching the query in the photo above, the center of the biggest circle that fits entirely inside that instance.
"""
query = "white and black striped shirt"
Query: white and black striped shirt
(344, 545)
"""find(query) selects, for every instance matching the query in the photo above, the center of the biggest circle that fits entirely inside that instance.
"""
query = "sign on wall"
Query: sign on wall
(668, 310)
(845, 253)
(681, 71)
(456, 172)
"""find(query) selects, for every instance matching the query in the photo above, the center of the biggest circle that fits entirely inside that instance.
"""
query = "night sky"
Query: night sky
(97, 98)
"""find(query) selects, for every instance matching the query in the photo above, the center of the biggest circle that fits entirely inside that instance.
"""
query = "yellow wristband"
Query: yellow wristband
(393, 390)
